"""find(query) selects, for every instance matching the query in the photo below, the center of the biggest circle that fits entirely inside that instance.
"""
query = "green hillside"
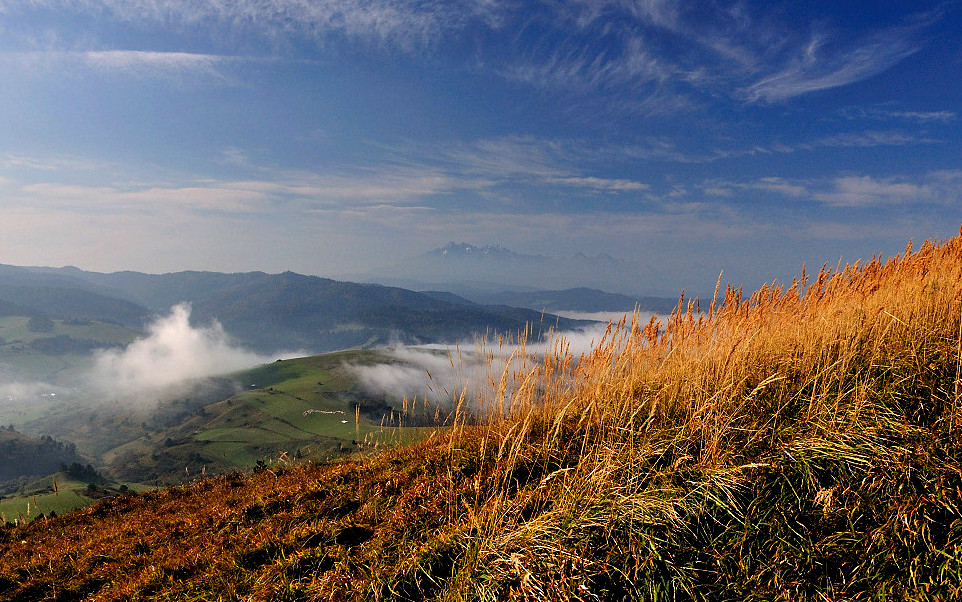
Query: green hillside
(59, 493)
(310, 408)
(36, 348)
(302, 409)
(68, 301)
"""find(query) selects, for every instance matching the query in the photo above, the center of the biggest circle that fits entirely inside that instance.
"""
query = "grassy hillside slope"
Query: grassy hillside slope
(48, 350)
(311, 408)
(60, 492)
(801, 444)
(308, 408)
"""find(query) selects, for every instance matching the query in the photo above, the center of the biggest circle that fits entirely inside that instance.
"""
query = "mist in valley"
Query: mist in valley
(441, 374)
(172, 358)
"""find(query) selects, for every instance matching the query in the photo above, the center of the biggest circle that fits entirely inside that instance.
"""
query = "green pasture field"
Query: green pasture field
(40, 497)
(298, 408)
(21, 363)
(302, 408)
(18, 410)
(14, 329)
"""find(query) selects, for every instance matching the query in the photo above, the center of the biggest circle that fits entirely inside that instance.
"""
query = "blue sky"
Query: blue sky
(332, 137)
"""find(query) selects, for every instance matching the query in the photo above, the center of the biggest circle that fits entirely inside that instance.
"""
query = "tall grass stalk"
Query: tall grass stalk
(672, 433)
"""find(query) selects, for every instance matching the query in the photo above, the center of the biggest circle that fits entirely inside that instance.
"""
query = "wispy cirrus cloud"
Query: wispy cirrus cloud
(15, 161)
(400, 24)
(681, 53)
(220, 197)
(601, 184)
(403, 177)
(490, 162)
(866, 191)
(646, 57)
(780, 186)
(582, 68)
(817, 66)
(851, 140)
(724, 190)
(292, 192)
(883, 114)
(942, 188)
(128, 64)
(506, 157)
(938, 188)
(137, 63)
(868, 139)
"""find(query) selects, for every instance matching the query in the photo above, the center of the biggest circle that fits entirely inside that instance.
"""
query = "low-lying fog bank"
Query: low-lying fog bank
(439, 374)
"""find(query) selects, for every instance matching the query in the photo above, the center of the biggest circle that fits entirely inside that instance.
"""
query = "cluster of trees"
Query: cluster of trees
(40, 323)
(25, 456)
(81, 472)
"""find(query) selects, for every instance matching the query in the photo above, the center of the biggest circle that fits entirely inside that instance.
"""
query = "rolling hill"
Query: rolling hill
(268, 312)
(310, 408)
(304, 408)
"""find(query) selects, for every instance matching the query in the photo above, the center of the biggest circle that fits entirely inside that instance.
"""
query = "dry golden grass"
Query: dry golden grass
(802, 443)
(830, 388)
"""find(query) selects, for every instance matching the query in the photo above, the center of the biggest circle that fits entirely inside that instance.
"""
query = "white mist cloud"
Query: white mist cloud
(441, 373)
(173, 354)
(601, 316)
(435, 371)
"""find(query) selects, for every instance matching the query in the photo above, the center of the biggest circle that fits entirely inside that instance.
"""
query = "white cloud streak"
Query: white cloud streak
(939, 188)
(126, 63)
(869, 140)
(488, 162)
(397, 23)
(412, 180)
(882, 114)
(137, 63)
(601, 184)
(211, 196)
(779, 186)
(749, 56)
(816, 69)
(866, 191)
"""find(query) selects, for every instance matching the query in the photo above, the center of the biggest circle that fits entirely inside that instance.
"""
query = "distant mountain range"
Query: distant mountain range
(266, 312)
(465, 250)
(470, 270)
